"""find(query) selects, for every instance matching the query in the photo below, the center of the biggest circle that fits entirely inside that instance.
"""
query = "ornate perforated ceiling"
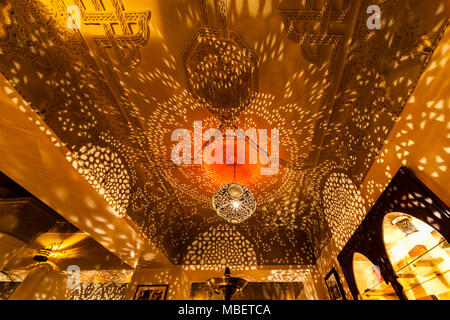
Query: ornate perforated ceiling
(115, 89)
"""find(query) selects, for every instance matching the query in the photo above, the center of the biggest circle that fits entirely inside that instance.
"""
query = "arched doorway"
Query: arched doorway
(420, 257)
(369, 281)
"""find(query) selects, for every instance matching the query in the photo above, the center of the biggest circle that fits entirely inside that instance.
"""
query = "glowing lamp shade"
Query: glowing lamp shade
(234, 203)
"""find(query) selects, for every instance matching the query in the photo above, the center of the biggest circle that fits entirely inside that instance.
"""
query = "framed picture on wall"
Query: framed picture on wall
(334, 286)
(151, 292)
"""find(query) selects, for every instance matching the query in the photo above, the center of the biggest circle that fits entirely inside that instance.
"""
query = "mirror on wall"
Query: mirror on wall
(420, 257)
(369, 280)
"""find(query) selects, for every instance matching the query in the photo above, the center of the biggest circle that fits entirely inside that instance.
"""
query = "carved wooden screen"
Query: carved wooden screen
(405, 194)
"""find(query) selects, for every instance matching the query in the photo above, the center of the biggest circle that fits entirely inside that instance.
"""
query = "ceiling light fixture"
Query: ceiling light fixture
(234, 203)
(42, 255)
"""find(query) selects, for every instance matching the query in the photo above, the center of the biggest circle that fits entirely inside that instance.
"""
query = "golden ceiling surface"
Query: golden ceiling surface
(114, 82)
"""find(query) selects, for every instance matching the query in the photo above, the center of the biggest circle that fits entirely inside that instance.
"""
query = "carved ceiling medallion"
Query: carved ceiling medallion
(118, 34)
(221, 70)
(315, 44)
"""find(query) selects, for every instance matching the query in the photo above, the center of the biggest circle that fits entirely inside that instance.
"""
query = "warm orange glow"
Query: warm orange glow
(245, 174)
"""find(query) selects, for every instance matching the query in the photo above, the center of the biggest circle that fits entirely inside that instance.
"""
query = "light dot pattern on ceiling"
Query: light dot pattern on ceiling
(331, 128)
(220, 246)
(107, 173)
(221, 72)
